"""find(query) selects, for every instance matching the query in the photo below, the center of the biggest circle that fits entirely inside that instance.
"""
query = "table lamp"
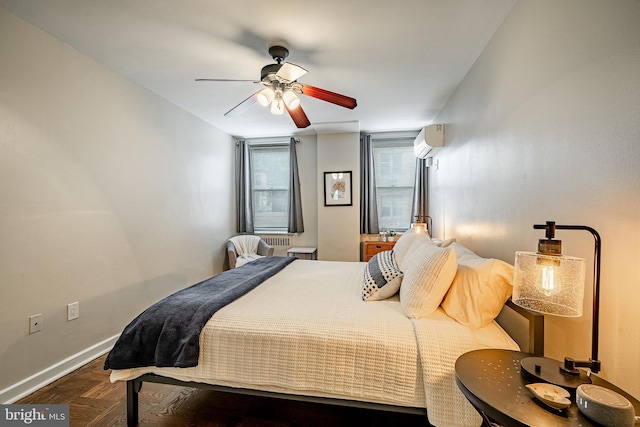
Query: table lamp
(551, 283)
(422, 224)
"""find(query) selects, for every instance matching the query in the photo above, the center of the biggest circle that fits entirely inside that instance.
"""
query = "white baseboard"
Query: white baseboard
(52, 373)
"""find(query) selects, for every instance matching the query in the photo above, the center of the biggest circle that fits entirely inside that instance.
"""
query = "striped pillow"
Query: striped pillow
(382, 277)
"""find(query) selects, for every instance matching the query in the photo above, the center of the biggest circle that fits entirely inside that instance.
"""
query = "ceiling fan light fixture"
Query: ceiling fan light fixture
(291, 100)
(266, 96)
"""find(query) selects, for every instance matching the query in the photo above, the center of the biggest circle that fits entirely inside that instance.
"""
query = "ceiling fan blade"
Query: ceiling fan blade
(325, 95)
(290, 72)
(298, 116)
(243, 106)
(227, 80)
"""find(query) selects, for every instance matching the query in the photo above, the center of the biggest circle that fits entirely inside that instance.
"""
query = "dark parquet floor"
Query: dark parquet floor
(94, 401)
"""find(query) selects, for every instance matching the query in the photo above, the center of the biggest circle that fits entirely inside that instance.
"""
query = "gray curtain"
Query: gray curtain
(420, 205)
(244, 204)
(295, 223)
(368, 204)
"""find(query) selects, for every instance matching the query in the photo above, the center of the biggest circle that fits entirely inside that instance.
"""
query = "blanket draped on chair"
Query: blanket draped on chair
(167, 334)
(246, 248)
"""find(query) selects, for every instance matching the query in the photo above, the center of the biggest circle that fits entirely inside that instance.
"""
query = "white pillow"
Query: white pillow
(382, 277)
(444, 243)
(428, 272)
(479, 290)
(404, 243)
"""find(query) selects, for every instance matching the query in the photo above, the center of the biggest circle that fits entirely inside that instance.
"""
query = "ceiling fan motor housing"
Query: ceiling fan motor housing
(279, 54)
(269, 71)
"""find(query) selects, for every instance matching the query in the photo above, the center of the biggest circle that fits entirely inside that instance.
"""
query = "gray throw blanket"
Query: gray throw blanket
(167, 334)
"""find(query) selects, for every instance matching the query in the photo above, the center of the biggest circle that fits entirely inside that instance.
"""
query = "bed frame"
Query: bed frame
(524, 326)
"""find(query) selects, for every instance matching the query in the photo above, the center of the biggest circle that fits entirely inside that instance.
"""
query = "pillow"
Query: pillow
(428, 272)
(418, 240)
(444, 243)
(381, 277)
(479, 290)
(403, 244)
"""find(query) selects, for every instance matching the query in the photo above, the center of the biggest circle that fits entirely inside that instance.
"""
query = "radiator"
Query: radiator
(280, 243)
(277, 240)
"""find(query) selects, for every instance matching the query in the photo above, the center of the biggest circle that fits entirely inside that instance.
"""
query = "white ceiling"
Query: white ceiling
(401, 60)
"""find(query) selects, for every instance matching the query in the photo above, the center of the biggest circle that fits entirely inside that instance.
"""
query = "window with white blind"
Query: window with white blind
(395, 176)
(270, 184)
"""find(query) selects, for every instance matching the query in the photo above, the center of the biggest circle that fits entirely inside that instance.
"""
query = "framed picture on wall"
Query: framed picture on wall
(337, 189)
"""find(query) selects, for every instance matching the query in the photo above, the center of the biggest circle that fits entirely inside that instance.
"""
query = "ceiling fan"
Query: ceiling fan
(282, 89)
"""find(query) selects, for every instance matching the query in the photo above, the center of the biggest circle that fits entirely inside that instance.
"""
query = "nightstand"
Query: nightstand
(370, 248)
(491, 381)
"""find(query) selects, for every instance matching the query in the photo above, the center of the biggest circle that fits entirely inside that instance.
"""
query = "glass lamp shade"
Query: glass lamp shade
(291, 100)
(419, 227)
(265, 96)
(549, 284)
(277, 106)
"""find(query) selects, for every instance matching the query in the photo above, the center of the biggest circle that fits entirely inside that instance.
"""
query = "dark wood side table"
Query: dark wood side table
(491, 381)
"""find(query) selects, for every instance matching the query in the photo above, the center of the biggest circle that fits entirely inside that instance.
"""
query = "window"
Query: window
(395, 175)
(270, 183)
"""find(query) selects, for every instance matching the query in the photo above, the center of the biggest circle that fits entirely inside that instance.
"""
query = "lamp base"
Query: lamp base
(548, 371)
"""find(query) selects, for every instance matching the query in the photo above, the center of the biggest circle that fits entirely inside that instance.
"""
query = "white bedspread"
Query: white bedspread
(441, 341)
(306, 331)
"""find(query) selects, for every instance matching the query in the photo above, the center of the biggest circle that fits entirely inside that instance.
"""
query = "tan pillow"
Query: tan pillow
(406, 242)
(479, 290)
(428, 272)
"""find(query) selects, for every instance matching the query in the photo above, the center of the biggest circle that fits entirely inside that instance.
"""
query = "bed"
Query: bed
(305, 333)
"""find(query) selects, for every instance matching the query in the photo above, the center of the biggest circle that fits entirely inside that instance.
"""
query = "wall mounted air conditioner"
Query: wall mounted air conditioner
(429, 139)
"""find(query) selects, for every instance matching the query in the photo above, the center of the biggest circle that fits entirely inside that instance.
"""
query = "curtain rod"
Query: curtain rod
(392, 135)
(275, 140)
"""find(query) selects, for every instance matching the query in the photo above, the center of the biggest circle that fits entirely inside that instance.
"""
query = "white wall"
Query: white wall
(109, 196)
(546, 126)
(339, 226)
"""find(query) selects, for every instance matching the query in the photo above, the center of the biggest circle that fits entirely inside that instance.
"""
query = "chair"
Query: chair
(245, 248)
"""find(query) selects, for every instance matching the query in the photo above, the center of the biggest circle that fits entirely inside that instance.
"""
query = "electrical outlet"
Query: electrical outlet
(35, 323)
(73, 311)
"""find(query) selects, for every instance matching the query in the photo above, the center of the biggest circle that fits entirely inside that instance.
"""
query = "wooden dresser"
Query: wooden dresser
(370, 248)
